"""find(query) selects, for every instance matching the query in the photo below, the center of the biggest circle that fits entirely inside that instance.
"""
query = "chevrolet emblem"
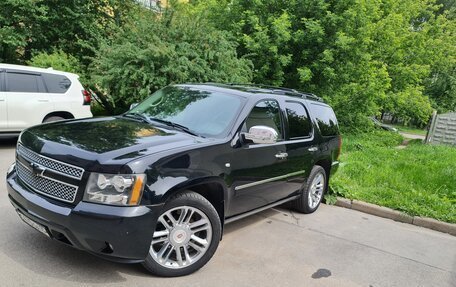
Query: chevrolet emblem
(37, 169)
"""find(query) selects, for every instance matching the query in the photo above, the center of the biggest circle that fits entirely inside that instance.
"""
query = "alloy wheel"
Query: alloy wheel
(316, 190)
(181, 237)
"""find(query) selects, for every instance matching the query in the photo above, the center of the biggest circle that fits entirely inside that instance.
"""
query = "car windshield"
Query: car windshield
(202, 112)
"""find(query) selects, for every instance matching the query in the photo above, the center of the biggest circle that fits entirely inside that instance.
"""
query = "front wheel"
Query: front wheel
(312, 191)
(186, 236)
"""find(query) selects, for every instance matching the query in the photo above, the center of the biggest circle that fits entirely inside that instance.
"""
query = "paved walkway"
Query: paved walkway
(412, 136)
(332, 247)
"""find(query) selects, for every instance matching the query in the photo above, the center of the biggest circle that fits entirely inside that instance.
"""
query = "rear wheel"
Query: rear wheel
(186, 236)
(313, 191)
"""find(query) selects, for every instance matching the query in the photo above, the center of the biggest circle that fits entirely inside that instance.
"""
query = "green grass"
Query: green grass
(418, 180)
(410, 130)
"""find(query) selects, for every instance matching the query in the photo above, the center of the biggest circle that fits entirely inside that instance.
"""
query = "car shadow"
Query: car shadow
(50, 258)
(8, 142)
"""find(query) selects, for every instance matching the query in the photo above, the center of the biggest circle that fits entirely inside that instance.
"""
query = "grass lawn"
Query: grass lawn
(410, 130)
(418, 180)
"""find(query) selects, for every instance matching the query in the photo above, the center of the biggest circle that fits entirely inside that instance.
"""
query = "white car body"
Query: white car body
(29, 96)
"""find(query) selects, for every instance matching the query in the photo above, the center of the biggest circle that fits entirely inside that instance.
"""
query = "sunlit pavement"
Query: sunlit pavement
(332, 247)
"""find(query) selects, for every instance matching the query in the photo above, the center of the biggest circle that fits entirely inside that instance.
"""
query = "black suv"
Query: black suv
(156, 184)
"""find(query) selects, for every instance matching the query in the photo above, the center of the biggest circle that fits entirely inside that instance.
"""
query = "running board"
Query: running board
(240, 216)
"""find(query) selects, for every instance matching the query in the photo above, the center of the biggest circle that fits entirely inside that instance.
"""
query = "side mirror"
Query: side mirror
(261, 135)
(132, 106)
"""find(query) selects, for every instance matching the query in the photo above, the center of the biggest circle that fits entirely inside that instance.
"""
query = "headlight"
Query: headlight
(115, 189)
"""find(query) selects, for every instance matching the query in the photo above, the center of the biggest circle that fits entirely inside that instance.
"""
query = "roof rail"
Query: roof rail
(288, 91)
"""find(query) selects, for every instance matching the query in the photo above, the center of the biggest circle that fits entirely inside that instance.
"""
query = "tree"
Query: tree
(75, 27)
(363, 57)
(18, 22)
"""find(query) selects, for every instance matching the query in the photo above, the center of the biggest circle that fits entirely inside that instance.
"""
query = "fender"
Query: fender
(213, 188)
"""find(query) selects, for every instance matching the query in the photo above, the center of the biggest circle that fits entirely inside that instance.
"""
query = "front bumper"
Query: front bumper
(121, 234)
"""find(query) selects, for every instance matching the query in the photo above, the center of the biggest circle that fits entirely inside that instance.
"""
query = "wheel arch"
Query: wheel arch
(63, 114)
(326, 165)
(212, 188)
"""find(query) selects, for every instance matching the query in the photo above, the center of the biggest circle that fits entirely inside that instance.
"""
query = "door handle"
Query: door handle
(2, 100)
(43, 101)
(312, 149)
(281, 155)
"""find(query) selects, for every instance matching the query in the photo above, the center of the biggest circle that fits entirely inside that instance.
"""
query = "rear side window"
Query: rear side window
(298, 120)
(25, 83)
(326, 120)
(2, 85)
(56, 83)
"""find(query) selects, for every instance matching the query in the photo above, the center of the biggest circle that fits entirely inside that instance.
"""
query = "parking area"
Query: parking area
(332, 247)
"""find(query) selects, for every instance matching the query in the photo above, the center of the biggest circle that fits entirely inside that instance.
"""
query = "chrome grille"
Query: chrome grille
(57, 166)
(45, 185)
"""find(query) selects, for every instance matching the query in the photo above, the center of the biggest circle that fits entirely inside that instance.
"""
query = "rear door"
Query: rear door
(27, 99)
(3, 114)
(300, 144)
(57, 87)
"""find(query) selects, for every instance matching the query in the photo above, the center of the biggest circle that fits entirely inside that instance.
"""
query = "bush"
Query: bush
(57, 60)
(156, 52)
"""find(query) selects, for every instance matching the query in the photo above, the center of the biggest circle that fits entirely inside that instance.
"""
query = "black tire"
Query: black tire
(53, 119)
(303, 204)
(194, 200)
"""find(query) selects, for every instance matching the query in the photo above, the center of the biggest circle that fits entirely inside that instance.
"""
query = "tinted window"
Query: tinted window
(27, 83)
(56, 83)
(265, 113)
(326, 120)
(2, 86)
(206, 113)
(298, 120)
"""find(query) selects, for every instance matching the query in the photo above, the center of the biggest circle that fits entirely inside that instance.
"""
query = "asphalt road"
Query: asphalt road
(332, 247)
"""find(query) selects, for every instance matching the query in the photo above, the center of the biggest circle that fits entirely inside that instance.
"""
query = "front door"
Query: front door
(259, 171)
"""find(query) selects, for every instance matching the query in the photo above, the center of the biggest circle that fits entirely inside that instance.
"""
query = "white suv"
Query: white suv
(31, 96)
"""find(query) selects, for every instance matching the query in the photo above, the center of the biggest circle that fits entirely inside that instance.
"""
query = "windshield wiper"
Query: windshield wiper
(141, 117)
(137, 116)
(175, 125)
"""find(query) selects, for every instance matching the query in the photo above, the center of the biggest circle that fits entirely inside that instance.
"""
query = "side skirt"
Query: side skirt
(237, 217)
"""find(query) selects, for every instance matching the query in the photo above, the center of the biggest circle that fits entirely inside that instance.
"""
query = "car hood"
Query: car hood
(89, 143)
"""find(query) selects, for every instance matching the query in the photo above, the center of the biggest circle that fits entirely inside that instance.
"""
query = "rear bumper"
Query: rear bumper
(121, 234)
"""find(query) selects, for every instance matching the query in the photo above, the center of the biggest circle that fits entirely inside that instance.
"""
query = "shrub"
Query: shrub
(57, 60)
(158, 51)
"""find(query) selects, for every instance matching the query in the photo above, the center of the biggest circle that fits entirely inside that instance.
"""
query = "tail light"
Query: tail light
(87, 96)
(339, 147)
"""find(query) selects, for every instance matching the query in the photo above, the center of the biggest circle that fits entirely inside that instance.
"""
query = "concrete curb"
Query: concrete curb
(397, 215)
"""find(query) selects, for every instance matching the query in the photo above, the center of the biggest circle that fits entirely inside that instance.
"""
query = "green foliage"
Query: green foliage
(75, 27)
(417, 180)
(362, 56)
(330, 199)
(18, 19)
(57, 60)
(158, 51)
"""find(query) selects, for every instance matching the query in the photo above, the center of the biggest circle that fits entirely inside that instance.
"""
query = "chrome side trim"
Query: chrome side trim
(239, 187)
